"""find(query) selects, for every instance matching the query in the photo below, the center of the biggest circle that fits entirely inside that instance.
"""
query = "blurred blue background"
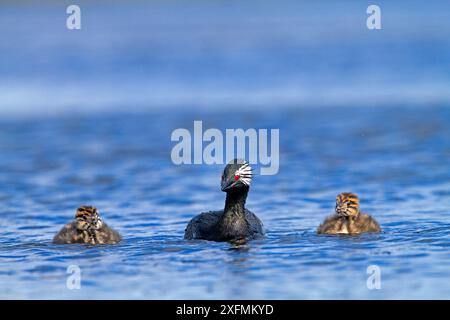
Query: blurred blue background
(86, 117)
(215, 54)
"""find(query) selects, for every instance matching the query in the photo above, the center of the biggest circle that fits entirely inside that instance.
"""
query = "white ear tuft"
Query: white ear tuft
(245, 173)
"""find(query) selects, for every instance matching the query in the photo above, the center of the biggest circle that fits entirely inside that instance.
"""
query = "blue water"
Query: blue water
(86, 118)
(121, 164)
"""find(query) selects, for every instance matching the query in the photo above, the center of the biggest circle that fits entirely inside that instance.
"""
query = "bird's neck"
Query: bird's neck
(234, 223)
(235, 203)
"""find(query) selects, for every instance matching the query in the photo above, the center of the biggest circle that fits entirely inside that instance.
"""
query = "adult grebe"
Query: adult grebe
(235, 222)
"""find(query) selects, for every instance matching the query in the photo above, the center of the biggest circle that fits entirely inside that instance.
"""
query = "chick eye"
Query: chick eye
(236, 177)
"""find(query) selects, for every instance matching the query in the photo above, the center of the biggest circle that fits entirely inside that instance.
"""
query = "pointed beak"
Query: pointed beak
(228, 184)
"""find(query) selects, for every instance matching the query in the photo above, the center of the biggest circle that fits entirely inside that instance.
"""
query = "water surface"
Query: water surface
(395, 159)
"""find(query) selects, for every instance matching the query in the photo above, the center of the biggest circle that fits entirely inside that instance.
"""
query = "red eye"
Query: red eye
(236, 177)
